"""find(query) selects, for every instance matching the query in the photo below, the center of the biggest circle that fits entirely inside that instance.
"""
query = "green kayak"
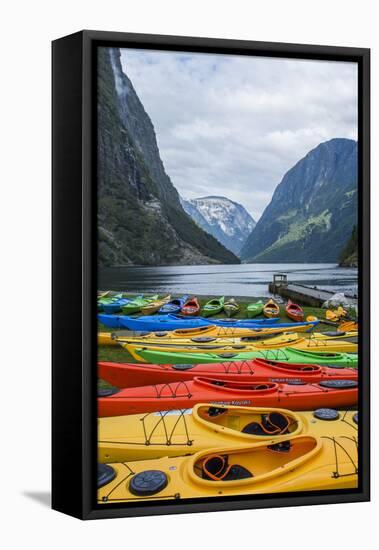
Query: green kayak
(213, 307)
(284, 354)
(104, 300)
(254, 309)
(137, 304)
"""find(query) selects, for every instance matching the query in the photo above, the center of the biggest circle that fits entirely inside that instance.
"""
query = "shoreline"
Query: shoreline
(152, 266)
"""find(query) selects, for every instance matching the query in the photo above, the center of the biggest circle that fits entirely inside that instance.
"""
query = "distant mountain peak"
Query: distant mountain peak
(313, 209)
(228, 221)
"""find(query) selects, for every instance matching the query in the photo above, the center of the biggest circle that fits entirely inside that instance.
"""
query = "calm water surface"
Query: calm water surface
(228, 280)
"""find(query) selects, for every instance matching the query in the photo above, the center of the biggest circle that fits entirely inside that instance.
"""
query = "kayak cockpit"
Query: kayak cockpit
(290, 367)
(247, 422)
(191, 331)
(252, 465)
(236, 387)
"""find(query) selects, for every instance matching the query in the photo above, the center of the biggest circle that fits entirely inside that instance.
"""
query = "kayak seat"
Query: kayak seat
(237, 472)
(254, 428)
(160, 334)
(217, 468)
(282, 447)
(275, 421)
(272, 424)
(227, 355)
(215, 411)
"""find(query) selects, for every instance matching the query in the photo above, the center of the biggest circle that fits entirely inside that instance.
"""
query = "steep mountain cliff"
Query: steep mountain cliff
(228, 221)
(140, 218)
(312, 211)
(349, 255)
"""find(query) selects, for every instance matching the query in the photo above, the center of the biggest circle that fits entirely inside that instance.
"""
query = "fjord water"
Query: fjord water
(228, 280)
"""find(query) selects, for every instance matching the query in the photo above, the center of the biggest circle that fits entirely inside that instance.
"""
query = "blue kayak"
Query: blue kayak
(172, 322)
(174, 306)
(115, 306)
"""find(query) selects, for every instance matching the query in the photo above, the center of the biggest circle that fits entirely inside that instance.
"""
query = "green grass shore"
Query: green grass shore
(119, 355)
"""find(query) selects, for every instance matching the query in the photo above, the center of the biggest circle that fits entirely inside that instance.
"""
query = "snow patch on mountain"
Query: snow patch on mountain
(228, 221)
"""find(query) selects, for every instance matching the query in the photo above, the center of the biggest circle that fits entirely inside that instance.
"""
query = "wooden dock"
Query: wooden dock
(305, 295)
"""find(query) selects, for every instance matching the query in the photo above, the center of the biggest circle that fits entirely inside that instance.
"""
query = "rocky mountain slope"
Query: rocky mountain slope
(140, 218)
(312, 211)
(349, 255)
(228, 221)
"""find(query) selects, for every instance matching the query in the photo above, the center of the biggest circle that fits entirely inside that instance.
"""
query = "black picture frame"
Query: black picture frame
(74, 271)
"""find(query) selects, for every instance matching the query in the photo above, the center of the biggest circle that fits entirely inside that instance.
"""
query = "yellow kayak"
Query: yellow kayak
(153, 307)
(187, 431)
(213, 331)
(335, 315)
(106, 339)
(299, 463)
(271, 309)
(300, 344)
(334, 344)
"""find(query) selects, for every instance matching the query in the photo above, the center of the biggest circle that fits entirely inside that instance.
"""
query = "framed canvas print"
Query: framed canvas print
(210, 274)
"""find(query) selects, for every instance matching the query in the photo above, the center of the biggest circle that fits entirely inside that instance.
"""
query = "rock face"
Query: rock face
(349, 255)
(140, 218)
(312, 211)
(228, 221)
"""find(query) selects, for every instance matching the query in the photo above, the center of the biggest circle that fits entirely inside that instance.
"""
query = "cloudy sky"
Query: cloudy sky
(233, 125)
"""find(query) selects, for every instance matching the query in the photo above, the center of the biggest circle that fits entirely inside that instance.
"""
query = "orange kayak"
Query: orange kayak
(184, 395)
(191, 307)
(294, 311)
(130, 375)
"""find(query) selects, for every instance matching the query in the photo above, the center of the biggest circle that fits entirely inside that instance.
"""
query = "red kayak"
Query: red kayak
(294, 311)
(129, 375)
(184, 395)
(191, 307)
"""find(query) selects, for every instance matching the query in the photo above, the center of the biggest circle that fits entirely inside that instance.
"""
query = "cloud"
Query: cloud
(233, 125)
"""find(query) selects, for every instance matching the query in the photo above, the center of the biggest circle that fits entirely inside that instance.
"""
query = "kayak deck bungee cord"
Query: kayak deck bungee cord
(186, 431)
(128, 375)
(182, 395)
(299, 463)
